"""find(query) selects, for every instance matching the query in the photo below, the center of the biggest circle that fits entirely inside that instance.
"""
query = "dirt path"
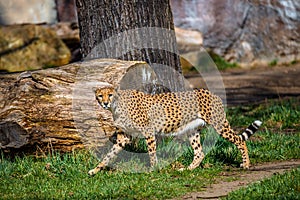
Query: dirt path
(242, 178)
(254, 85)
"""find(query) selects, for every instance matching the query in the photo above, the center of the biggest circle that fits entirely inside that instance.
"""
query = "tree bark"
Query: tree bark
(56, 108)
(131, 30)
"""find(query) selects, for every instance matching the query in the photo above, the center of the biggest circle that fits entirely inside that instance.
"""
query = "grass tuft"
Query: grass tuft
(273, 63)
(221, 63)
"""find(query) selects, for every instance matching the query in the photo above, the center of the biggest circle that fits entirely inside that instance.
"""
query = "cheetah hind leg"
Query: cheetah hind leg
(226, 132)
(194, 140)
(121, 141)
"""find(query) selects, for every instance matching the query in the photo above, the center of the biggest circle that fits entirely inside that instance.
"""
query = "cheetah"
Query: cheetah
(171, 113)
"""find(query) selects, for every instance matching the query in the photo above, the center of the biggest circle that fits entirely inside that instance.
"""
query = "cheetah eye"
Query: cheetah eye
(100, 95)
(110, 95)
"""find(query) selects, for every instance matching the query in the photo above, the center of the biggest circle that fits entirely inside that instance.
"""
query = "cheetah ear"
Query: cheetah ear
(101, 85)
(95, 89)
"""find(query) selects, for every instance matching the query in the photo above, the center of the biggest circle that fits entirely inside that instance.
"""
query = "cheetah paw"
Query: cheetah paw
(182, 169)
(92, 172)
(244, 166)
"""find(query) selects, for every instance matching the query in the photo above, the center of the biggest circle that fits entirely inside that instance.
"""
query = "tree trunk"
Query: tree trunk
(56, 108)
(131, 30)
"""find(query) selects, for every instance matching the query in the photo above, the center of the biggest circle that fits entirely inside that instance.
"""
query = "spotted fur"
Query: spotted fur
(169, 114)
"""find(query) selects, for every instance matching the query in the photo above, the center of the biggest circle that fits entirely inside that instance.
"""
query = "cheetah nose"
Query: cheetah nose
(105, 105)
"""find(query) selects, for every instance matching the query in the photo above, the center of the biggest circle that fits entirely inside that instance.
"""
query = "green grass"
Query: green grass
(281, 115)
(221, 63)
(294, 62)
(284, 186)
(65, 176)
(273, 63)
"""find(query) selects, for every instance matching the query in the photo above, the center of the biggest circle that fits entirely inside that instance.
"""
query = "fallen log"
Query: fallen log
(55, 109)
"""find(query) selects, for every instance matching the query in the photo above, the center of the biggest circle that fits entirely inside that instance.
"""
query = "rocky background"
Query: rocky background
(31, 47)
(249, 32)
(246, 32)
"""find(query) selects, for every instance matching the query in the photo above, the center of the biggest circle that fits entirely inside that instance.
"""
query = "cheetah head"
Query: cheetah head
(104, 97)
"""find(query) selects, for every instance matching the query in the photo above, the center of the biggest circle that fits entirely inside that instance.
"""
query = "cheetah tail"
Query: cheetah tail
(250, 130)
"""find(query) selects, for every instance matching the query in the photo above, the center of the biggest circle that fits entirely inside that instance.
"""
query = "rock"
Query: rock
(188, 40)
(69, 34)
(27, 11)
(30, 47)
(246, 32)
(66, 10)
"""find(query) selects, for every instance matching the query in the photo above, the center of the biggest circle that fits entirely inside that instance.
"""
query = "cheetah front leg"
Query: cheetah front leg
(121, 141)
(151, 144)
(198, 154)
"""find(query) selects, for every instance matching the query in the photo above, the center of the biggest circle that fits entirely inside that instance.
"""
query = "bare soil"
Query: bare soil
(241, 178)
